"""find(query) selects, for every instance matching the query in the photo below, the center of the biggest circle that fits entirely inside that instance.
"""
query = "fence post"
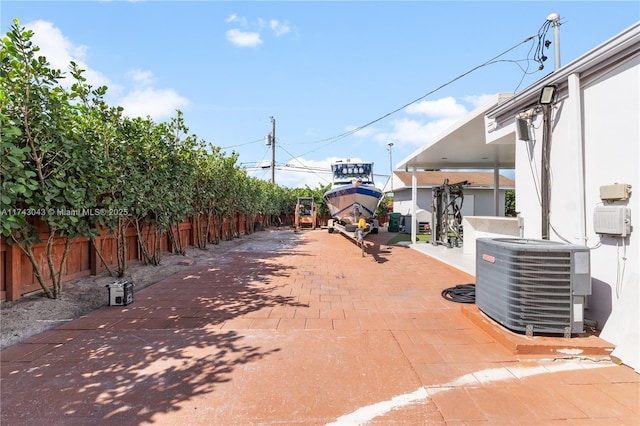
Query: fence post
(13, 273)
(192, 231)
(94, 260)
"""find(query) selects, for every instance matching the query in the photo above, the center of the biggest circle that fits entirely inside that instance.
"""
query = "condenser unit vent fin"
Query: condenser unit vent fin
(536, 285)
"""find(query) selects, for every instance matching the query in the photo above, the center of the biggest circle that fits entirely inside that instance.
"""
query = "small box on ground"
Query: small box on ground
(120, 293)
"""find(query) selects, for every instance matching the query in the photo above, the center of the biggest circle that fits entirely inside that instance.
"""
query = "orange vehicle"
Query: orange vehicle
(306, 214)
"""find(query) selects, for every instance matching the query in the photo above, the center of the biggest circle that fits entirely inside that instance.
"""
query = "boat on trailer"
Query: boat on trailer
(352, 197)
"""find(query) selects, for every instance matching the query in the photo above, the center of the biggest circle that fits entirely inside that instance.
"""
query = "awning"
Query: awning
(464, 145)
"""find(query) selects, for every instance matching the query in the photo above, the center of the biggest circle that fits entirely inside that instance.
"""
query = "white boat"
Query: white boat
(352, 195)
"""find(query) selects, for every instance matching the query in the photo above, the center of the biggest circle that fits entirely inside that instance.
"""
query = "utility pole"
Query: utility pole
(547, 133)
(554, 18)
(273, 150)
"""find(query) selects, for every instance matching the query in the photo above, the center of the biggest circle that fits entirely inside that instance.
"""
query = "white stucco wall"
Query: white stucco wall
(612, 136)
(477, 202)
(402, 200)
(604, 116)
(487, 227)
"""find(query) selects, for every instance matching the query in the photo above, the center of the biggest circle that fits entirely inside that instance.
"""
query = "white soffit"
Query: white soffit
(464, 145)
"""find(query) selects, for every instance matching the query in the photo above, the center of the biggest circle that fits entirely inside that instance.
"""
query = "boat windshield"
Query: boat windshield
(344, 173)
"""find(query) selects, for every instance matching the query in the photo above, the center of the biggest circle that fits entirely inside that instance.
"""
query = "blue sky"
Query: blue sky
(319, 68)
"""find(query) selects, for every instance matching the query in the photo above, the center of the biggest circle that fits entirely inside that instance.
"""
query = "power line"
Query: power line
(538, 57)
(341, 136)
(243, 144)
(302, 164)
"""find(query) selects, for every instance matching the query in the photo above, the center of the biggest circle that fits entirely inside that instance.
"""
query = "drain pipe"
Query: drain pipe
(575, 129)
(496, 189)
(414, 205)
(521, 225)
(545, 172)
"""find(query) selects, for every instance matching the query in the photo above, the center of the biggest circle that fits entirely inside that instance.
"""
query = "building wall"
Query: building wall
(402, 200)
(603, 116)
(477, 202)
(612, 156)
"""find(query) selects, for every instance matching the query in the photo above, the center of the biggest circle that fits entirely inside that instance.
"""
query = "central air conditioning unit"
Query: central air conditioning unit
(533, 286)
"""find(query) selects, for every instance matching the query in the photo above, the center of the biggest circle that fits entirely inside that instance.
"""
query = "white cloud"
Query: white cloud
(234, 18)
(144, 78)
(279, 28)
(146, 100)
(416, 132)
(142, 99)
(243, 39)
(156, 103)
(60, 51)
(250, 33)
(297, 173)
(445, 107)
(440, 115)
(300, 173)
(477, 100)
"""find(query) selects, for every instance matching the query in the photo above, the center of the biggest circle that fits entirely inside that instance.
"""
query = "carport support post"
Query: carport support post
(414, 205)
(496, 190)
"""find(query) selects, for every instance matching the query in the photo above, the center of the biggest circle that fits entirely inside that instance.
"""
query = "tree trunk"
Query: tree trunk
(142, 241)
(99, 253)
(208, 227)
(157, 252)
(201, 240)
(57, 282)
(50, 263)
(121, 246)
(28, 251)
(179, 240)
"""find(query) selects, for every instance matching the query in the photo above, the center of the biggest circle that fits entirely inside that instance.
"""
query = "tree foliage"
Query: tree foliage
(386, 205)
(510, 203)
(73, 166)
(44, 183)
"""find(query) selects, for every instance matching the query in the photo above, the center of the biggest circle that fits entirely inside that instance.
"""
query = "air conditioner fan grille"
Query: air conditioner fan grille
(526, 283)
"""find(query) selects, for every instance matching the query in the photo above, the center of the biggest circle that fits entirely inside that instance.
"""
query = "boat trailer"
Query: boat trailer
(353, 230)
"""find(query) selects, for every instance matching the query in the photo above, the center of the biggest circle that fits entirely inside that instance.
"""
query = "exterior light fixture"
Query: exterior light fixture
(548, 94)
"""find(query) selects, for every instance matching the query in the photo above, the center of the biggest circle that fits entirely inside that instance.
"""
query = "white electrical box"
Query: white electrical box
(612, 220)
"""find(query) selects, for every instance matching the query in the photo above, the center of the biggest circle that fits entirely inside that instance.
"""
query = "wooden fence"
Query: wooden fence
(16, 271)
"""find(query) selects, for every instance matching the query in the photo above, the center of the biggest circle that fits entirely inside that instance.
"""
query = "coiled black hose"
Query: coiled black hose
(462, 293)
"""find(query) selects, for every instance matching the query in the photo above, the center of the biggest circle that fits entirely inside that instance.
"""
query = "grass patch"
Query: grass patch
(401, 237)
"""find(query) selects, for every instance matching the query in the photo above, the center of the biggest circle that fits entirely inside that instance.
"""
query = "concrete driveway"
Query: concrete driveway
(299, 328)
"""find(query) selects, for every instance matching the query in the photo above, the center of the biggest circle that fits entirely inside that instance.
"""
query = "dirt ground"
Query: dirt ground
(35, 313)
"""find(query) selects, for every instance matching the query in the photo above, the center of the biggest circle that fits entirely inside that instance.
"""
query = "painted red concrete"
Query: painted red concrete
(307, 334)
